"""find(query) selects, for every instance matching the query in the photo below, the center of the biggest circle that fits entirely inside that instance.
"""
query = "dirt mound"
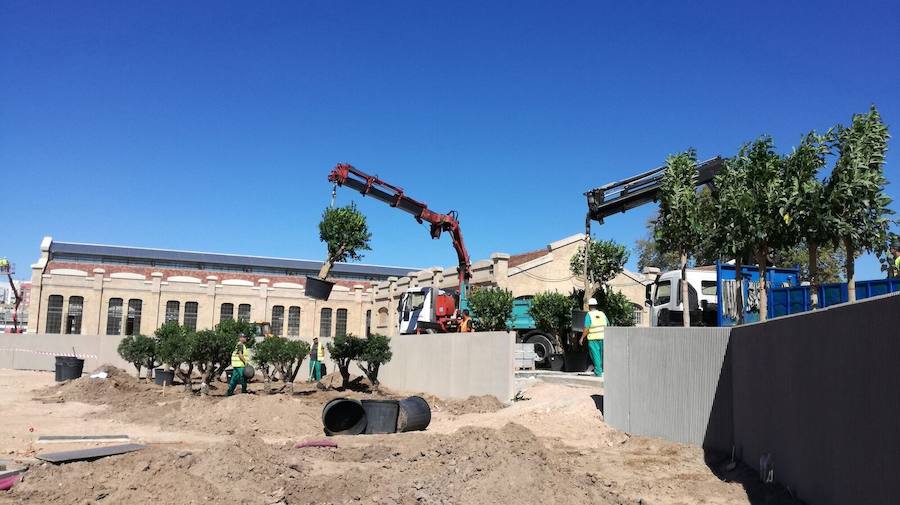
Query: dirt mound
(486, 404)
(118, 389)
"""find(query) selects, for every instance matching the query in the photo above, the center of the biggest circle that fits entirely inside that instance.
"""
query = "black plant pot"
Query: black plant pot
(557, 362)
(318, 289)
(577, 359)
(163, 377)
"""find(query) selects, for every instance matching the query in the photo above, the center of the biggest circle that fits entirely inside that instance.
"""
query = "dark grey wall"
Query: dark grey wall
(820, 392)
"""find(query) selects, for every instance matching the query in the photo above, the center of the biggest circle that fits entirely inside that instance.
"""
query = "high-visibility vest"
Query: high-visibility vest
(320, 353)
(236, 356)
(598, 324)
(465, 326)
(897, 265)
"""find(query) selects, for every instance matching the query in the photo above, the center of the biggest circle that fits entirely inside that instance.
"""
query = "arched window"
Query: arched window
(73, 315)
(173, 307)
(294, 322)
(226, 312)
(382, 317)
(325, 323)
(190, 315)
(133, 323)
(54, 313)
(637, 313)
(341, 324)
(114, 317)
(277, 320)
(244, 312)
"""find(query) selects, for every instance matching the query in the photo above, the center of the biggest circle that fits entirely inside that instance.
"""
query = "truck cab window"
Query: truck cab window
(708, 288)
(416, 301)
(663, 293)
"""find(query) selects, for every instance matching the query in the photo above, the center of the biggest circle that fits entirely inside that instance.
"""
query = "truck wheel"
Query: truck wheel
(543, 347)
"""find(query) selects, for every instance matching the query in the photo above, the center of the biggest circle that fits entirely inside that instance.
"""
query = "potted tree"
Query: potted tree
(345, 233)
(140, 351)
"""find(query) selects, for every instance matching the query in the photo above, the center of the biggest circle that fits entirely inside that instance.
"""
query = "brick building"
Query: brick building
(113, 290)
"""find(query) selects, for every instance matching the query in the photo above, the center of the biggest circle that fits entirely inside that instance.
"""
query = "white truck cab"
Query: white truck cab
(664, 298)
(419, 312)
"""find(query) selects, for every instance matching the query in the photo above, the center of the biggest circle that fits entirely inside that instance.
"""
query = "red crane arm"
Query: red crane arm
(347, 175)
(18, 296)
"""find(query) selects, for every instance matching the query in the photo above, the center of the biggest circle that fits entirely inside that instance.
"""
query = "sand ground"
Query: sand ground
(552, 448)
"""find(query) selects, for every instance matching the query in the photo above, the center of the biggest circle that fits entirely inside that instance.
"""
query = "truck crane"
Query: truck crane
(420, 310)
(9, 269)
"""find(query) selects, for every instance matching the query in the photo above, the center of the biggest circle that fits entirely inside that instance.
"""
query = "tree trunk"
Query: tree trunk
(762, 258)
(851, 271)
(587, 248)
(326, 266)
(739, 290)
(685, 300)
(813, 274)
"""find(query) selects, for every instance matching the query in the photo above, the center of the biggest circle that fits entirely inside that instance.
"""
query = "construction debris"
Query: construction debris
(88, 454)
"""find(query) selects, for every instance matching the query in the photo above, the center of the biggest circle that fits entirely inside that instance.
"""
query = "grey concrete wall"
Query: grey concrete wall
(820, 393)
(453, 365)
(36, 351)
(662, 382)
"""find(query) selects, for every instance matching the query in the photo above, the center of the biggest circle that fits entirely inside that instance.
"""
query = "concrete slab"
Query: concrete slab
(88, 454)
(581, 379)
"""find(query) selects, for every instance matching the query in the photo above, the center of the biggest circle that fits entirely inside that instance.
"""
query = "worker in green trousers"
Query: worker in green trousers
(316, 355)
(239, 359)
(595, 323)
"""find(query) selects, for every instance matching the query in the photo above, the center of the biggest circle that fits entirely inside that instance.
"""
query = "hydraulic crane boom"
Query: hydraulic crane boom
(347, 175)
(9, 269)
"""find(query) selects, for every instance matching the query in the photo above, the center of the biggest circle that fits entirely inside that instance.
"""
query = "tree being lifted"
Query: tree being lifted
(346, 235)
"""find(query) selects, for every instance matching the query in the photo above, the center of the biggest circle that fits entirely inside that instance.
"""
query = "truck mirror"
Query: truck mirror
(648, 292)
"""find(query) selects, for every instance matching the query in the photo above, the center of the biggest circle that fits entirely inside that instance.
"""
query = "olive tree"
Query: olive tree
(678, 227)
(284, 356)
(176, 349)
(605, 260)
(491, 308)
(140, 351)
(345, 349)
(376, 351)
(212, 354)
(805, 204)
(345, 233)
(855, 190)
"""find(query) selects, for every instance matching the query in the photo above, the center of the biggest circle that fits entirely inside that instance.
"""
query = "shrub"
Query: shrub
(343, 350)
(552, 313)
(140, 351)
(376, 351)
(212, 351)
(491, 308)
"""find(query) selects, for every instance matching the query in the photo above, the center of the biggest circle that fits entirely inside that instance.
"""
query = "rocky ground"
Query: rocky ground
(551, 448)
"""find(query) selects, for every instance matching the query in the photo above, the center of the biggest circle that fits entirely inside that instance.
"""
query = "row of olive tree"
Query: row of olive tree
(207, 352)
(764, 202)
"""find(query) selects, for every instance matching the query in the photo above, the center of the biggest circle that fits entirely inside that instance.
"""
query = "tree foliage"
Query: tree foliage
(618, 308)
(679, 226)
(283, 355)
(491, 308)
(175, 347)
(344, 349)
(830, 262)
(212, 351)
(606, 260)
(140, 351)
(858, 202)
(346, 235)
(552, 313)
(376, 351)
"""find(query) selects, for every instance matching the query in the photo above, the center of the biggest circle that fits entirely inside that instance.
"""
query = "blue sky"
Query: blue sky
(212, 125)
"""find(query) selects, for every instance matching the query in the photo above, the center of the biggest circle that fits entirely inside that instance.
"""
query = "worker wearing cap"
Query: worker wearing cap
(895, 252)
(595, 323)
(4, 265)
(240, 358)
(316, 355)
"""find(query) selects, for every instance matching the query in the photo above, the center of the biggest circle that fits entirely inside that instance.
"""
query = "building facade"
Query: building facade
(112, 290)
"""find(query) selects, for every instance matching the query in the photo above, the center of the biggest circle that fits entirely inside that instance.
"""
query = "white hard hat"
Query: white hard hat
(592, 301)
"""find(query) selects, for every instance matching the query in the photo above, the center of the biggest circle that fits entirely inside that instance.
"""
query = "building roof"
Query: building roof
(518, 259)
(162, 257)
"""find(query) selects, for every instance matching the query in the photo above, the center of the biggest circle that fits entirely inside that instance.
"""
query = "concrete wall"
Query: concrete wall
(30, 351)
(455, 365)
(662, 382)
(816, 394)
(820, 393)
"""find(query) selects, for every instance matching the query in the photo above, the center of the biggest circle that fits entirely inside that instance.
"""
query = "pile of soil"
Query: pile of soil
(474, 465)
(486, 404)
(117, 389)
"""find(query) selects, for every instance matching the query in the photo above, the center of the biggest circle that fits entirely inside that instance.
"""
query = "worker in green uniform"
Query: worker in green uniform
(595, 322)
(895, 252)
(240, 358)
(316, 355)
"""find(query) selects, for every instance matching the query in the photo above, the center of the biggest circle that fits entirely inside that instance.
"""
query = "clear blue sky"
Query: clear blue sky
(212, 125)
